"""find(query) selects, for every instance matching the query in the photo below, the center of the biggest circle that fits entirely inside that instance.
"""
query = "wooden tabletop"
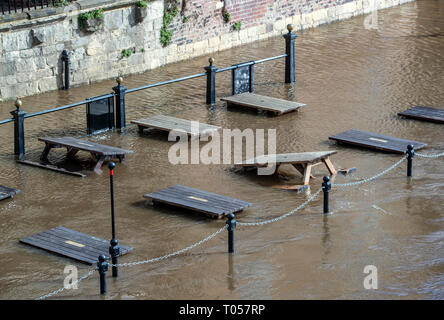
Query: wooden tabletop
(424, 113)
(253, 100)
(286, 158)
(168, 123)
(209, 203)
(83, 145)
(376, 141)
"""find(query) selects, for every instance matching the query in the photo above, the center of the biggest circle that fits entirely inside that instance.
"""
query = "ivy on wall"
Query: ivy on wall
(171, 11)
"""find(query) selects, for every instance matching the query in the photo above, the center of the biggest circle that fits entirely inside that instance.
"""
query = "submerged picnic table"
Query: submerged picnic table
(211, 204)
(376, 141)
(252, 100)
(6, 192)
(303, 162)
(73, 145)
(424, 113)
(167, 123)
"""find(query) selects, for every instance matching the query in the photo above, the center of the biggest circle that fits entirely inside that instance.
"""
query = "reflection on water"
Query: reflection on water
(350, 78)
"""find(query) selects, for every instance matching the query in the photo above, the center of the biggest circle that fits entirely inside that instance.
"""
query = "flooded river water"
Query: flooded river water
(349, 78)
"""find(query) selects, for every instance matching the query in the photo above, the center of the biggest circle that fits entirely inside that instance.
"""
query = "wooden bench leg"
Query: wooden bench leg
(44, 156)
(99, 164)
(301, 169)
(141, 129)
(307, 174)
(121, 158)
(71, 152)
(329, 166)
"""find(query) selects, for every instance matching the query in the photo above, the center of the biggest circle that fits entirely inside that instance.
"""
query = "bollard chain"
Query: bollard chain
(63, 288)
(249, 224)
(350, 184)
(130, 264)
(431, 156)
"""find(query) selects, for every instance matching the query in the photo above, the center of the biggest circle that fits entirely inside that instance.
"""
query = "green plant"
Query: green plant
(237, 25)
(142, 50)
(142, 4)
(126, 53)
(61, 3)
(227, 17)
(185, 19)
(95, 14)
(165, 33)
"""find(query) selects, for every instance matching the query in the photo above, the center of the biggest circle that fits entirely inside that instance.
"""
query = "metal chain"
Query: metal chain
(284, 215)
(63, 288)
(130, 264)
(433, 156)
(350, 184)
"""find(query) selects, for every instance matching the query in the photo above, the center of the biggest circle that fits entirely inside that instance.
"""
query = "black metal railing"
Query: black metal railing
(16, 6)
(242, 81)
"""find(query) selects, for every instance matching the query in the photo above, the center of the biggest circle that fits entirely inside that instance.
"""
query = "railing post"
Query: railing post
(19, 130)
(120, 103)
(102, 265)
(410, 154)
(114, 249)
(231, 226)
(65, 59)
(211, 82)
(290, 76)
(326, 187)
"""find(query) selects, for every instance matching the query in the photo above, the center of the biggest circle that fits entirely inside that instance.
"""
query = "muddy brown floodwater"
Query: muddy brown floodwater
(350, 78)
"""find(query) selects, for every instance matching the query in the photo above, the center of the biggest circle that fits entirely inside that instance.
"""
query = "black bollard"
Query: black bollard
(120, 91)
(290, 75)
(19, 130)
(114, 249)
(65, 59)
(326, 187)
(211, 82)
(231, 226)
(410, 154)
(103, 268)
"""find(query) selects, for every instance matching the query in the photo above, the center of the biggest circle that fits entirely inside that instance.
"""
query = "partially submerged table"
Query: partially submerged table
(6, 192)
(252, 100)
(376, 141)
(303, 162)
(167, 123)
(73, 145)
(211, 204)
(424, 113)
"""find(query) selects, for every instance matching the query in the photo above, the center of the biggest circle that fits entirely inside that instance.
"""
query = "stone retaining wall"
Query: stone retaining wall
(32, 42)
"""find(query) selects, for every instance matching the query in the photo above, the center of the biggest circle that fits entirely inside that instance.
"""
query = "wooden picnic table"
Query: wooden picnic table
(6, 192)
(167, 123)
(252, 100)
(303, 162)
(99, 151)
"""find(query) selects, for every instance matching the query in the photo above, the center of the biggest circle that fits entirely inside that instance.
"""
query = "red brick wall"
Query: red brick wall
(205, 19)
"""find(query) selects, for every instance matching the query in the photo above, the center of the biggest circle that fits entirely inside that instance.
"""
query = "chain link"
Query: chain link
(432, 156)
(63, 288)
(130, 264)
(350, 184)
(261, 223)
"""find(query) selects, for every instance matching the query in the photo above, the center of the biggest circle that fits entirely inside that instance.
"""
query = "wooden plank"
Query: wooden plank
(72, 244)
(52, 168)
(252, 100)
(376, 141)
(286, 158)
(6, 192)
(167, 123)
(424, 113)
(209, 203)
(83, 145)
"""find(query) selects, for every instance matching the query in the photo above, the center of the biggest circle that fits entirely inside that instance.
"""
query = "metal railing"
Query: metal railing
(16, 6)
(120, 91)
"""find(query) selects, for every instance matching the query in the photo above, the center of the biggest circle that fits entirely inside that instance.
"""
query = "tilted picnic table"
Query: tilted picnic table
(100, 152)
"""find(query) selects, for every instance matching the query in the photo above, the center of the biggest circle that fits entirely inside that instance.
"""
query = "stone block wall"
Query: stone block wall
(31, 43)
